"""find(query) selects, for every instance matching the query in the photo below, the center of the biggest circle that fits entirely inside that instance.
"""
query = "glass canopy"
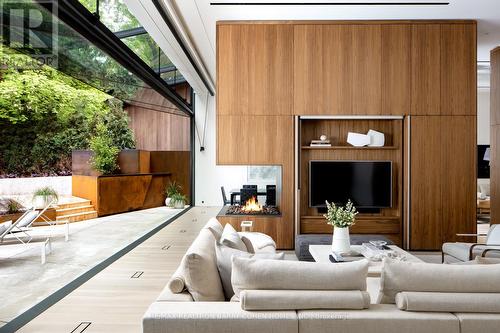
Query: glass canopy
(79, 58)
(115, 15)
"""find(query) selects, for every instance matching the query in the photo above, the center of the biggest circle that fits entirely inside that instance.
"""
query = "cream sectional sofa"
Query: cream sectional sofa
(310, 297)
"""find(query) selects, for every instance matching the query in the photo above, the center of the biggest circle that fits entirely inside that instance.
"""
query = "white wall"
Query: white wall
(483, 116)
(24, 186)
(209, 177)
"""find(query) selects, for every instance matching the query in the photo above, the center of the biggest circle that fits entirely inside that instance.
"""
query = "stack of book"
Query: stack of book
(320, 143)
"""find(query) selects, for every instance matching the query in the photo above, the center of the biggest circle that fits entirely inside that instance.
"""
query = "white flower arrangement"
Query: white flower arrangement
(340, 217)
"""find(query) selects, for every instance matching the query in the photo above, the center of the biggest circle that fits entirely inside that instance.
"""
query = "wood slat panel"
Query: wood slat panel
(155, 130)
(458, 69)
(254, 69)
(426, 183)
(495, 174)
(458, 176)
(425, 69)
(366, 70)
(396, 53)
(323, 69)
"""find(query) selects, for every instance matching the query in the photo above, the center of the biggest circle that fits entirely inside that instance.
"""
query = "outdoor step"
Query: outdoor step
(76, 217)
(74, 210)
(76, 203)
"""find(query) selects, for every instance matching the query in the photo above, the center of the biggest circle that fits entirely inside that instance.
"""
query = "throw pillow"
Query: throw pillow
(199, 269)
(224, 264)
(231, 238)
(215, 227)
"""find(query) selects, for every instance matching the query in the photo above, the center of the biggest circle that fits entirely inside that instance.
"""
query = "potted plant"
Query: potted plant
(43, 196)
(178, 201)
(172, 189)
(341, 218)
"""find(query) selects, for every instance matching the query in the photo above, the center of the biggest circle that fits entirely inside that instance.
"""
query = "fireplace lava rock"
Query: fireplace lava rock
(238, 210)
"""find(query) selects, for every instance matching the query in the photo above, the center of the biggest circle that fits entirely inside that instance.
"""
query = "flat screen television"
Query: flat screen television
(368, 184)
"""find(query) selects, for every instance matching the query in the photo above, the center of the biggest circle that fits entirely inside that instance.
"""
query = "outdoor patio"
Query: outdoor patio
(26, 281)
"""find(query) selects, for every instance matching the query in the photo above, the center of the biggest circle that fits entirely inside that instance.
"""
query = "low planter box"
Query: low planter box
(122, 193)
(130, 161)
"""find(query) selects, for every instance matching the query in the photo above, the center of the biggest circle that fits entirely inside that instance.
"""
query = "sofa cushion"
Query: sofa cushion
(231, 238)
(177, 284)
(215, 317)
(379, 318)
(200, 269)
(448, 302)
(304, 299)
(478, 322)
(215, 227)
(256, 242)
(408, 276)
(297, 275)
(224, 264)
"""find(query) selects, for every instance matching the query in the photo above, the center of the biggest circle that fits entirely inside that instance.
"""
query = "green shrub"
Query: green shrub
(177, 198)
(104, 152)
(10, 206)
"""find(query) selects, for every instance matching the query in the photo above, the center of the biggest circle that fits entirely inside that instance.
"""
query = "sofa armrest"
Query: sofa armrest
(215, 317)
(489, 250)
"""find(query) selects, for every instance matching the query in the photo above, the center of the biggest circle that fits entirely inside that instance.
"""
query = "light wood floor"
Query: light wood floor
(112, 301)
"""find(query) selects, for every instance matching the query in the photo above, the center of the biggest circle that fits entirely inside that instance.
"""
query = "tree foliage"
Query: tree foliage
(45, 114)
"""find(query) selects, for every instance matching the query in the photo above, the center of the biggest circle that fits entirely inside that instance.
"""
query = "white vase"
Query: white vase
(341, 242)
(167, 202)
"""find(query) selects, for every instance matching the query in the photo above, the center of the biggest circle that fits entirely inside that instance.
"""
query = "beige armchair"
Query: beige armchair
(459, 252)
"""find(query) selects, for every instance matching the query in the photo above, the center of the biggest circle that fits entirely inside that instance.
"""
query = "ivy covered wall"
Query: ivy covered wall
(45, 114)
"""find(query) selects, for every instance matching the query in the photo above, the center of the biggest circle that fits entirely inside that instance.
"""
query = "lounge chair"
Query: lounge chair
(457, 252)
(23, 225)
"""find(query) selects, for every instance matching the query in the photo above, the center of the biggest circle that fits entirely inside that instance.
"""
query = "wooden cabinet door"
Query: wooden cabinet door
(458, 69)
(366, 69)
(322, 70)
(232, 140)
(458, 174)
(425, 183)
(254, 140)
(425, 69)
(396, 40)
(254, 69)
(442, 179)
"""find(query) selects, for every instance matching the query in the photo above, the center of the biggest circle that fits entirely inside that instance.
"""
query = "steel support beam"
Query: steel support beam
(76, 16)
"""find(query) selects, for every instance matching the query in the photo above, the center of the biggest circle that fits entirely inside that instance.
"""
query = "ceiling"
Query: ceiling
(199, 17)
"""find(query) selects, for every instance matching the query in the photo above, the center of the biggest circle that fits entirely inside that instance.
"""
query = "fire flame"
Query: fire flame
(252, 206)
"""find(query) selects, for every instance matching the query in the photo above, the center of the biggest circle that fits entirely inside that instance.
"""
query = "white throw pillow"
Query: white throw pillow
(224, 264)
(215, 227)
(199, 269)
(231, 238)
(257, 242)
(410, 276)
(297, 275)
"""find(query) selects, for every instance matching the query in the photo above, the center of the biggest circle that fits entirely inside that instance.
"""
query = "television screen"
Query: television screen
(368, 184)
(483, 161)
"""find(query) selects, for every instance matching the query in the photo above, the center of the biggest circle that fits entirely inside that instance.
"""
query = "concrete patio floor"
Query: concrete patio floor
(25, 281)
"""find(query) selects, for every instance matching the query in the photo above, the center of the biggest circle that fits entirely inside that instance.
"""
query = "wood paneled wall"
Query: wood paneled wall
(495, 135)
(268, 71)
(154, 130)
